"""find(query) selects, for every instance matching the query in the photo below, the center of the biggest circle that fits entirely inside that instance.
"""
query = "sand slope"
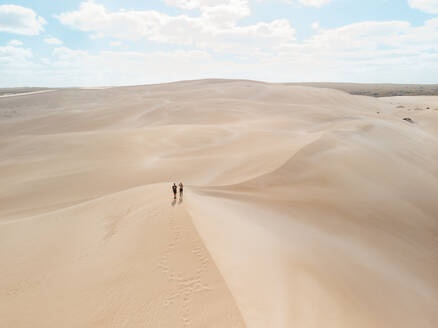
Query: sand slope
(304, 207)
(132, 259)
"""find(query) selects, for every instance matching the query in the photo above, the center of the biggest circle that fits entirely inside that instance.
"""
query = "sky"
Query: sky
(108, 42)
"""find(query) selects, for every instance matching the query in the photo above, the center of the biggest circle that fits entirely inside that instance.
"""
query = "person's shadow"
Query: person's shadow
(173, 203)
(180, 200)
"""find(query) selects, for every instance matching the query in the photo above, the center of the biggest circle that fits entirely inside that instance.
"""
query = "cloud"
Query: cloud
(203, 4)
(72, 67)
(16, 65)
(315, 25)
(215, 28)
(393, 51)
(15, 43)
(20, 20)
(370, 51)
(315, 3)
(116, 43)
(428, 6)
(52, 40)
(377, 36)
(11, 55)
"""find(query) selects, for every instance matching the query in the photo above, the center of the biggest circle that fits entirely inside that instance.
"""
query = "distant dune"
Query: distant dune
(379, 90)
(304, 206)
(27, 93)
(16, 91)
(364, 89)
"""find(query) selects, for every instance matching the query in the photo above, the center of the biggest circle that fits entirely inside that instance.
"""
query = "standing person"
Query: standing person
(181, 190)
(174, 189)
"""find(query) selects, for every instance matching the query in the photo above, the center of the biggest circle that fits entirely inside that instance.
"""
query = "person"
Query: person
(181, 189)
(174, 189)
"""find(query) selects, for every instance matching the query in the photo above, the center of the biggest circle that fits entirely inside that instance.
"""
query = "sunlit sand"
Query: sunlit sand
(303, 207)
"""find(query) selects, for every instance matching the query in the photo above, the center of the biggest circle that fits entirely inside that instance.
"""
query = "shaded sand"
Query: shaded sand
(304, 207)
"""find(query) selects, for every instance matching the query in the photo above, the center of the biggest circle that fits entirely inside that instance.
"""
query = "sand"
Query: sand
(303, 207)
(23, 93)
(378, 90)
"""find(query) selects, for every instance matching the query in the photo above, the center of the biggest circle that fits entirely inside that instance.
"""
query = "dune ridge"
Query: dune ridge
(304, 207)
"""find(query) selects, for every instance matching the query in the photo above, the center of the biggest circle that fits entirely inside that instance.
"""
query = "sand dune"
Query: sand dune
(23, 93)
(304, 207)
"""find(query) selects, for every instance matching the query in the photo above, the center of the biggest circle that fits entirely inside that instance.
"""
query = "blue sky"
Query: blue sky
(101, 42)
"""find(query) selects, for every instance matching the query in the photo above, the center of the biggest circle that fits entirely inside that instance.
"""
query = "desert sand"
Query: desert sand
(303, 207)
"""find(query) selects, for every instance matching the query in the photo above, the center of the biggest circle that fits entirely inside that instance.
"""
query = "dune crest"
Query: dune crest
(303, 207)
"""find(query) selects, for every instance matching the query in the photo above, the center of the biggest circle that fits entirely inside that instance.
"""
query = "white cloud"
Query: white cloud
(15, 43)
(16, 66)
(369, 52)
(361, 35)
(315, 25)
(215, 28)
(20, 20)
(95, 36)
(391, 51)
(126, 67)
(203, 4)
(14, 55)
(315, 3)
(218, 12)
(52, 40)
(394, 51)
(116, 43)
(428, 6)
(377, 36)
